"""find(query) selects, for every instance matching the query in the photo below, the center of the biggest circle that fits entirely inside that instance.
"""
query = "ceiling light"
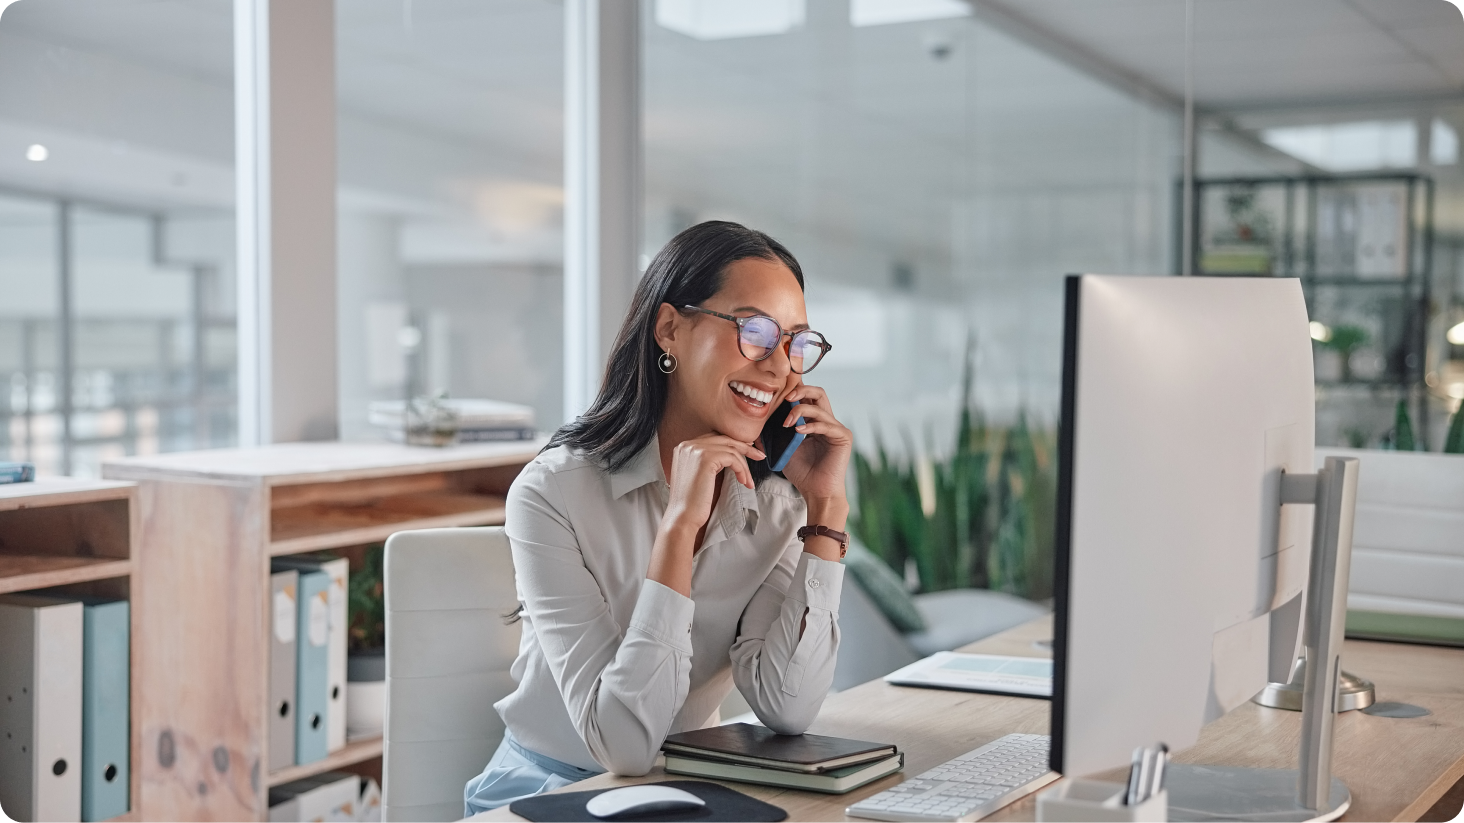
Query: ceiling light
(1456, 335)
(724, 19)
(36, 153)
(1320, 332)
(883, 12)
(1371, 144)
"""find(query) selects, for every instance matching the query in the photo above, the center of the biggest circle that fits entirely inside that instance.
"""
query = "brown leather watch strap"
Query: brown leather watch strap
(843, 537)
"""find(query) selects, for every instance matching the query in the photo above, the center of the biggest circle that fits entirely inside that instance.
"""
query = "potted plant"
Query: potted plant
(366, 665)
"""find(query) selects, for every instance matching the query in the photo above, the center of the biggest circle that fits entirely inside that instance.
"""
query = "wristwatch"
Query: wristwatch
(843, 537)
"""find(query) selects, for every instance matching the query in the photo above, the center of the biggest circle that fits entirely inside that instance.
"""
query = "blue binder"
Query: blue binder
(312, 672)
(105, 709)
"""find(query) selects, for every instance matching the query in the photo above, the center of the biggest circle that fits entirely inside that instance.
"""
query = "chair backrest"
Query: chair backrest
(448, 653)
(1408, 539)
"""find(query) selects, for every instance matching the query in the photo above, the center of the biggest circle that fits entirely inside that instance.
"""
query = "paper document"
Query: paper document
(995, 674)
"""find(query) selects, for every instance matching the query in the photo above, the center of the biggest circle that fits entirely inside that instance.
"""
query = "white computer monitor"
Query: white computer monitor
(1178, 572)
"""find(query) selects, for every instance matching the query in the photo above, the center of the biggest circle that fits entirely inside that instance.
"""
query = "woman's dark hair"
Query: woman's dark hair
(688, 271)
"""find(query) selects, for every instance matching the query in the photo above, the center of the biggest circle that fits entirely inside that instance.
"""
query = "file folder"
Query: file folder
(339, 569)
(105, 709)
(312, 667)
(284, 611)
(40, 707)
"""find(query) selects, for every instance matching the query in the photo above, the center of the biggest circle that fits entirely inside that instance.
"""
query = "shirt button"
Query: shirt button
(813, 584)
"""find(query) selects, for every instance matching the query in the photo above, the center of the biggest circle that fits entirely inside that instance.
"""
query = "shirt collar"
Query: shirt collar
(738, 506)
(644, 468)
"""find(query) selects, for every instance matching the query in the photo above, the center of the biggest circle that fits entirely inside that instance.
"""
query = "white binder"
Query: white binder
(40, 707)
(339, 569)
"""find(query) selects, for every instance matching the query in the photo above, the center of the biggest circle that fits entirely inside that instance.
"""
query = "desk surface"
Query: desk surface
(1397, 769)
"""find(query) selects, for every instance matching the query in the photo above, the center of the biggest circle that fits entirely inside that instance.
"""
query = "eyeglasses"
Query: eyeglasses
(759, 336)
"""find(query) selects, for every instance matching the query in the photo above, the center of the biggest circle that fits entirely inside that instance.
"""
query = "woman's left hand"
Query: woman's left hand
(817, 468)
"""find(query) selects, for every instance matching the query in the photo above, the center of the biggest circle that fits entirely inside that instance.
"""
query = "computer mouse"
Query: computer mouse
(643, 799)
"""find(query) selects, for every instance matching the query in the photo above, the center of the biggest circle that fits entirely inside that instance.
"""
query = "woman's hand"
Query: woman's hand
(817, 468)
(695, 466)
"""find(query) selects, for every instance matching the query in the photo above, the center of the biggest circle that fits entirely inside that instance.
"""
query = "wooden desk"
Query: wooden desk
(1396, 769)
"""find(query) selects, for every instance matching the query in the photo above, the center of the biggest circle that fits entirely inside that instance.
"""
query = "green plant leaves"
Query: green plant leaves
(1403, 429)
(366, 603)
(995, 504)
(1454, 440)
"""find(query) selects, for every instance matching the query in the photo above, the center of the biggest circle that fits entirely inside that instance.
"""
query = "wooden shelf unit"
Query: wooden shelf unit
(355, 752)
(75, 537)
(212, 520)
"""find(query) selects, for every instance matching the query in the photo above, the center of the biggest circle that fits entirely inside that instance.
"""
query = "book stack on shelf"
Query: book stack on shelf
(755, 754)
(13, 472)
(478, 421)
(67, 746)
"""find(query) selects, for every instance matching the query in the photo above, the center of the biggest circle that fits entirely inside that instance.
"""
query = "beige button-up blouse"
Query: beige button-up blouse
(609, 662)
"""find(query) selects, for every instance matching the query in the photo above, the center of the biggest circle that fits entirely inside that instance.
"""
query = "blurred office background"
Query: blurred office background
(937, 165)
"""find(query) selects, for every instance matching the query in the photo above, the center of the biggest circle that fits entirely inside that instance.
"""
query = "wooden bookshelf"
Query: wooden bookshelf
(212, 521)
(72, 537)
(355, 752)
(24, 572)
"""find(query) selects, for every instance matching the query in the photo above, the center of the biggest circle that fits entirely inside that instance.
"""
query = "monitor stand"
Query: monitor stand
(1308, 792)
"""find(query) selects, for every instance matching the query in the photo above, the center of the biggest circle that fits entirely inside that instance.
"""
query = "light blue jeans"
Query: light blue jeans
(516, 772)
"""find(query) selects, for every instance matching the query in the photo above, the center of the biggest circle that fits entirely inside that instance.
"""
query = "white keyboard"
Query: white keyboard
(968, 787)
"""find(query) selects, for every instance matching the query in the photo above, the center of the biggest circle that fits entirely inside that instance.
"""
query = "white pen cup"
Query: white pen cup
(1093, 801)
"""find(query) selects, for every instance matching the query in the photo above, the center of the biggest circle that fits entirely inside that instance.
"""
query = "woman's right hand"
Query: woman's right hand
(695, 466)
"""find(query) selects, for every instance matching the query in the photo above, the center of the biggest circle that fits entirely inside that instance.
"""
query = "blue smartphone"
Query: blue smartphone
(779, 441)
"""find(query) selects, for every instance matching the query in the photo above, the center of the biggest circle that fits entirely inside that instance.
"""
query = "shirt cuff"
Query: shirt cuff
(665, 614)
(817, 582)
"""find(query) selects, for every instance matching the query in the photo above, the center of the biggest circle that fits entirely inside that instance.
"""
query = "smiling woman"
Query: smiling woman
(658, 505)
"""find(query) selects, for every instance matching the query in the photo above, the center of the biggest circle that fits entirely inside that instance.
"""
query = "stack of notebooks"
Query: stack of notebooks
(754, 754)
(11, 472)
(479, 421)
(307, 661)
(64, 707)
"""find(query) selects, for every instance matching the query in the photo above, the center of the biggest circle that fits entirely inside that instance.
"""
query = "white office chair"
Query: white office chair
(448, 652)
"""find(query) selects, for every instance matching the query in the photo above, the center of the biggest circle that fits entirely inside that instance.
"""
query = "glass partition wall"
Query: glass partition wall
(935, 176)
(450, 237)
(113, 345)
(116, 231)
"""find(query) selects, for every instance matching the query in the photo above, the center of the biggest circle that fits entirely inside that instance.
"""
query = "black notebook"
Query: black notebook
(760, 746)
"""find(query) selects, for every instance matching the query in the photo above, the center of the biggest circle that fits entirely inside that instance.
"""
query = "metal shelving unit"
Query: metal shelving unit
(1362, 247)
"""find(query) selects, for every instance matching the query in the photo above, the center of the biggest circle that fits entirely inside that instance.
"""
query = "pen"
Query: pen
(1131, 797)
(1146, 768)
(1161, 764)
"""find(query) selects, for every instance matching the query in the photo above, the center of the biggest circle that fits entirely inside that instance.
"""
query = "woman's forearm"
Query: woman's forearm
(830, 512)
(671, 554)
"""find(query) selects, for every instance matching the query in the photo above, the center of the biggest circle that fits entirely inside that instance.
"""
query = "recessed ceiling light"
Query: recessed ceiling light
(884, 12)
(1359, 146)
(36, 153)
(724, 19)
(1456, 335)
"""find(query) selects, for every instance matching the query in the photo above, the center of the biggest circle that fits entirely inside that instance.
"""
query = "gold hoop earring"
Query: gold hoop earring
(666, 362)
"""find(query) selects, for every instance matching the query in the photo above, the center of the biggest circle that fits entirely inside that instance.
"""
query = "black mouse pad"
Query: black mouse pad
(722, 804)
